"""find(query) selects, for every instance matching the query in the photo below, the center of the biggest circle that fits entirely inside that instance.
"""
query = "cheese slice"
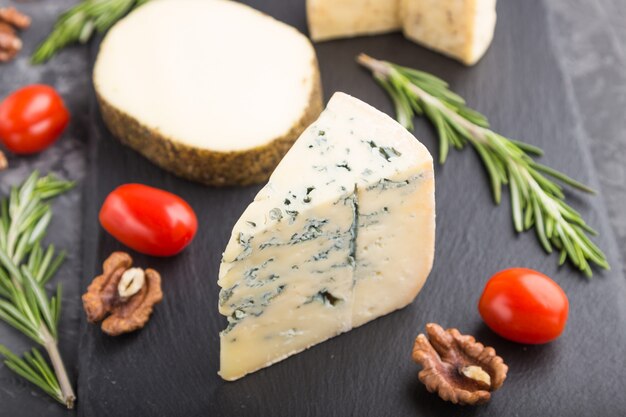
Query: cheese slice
(342, 233)
(211, 90)
(462, 29)
(329, 19)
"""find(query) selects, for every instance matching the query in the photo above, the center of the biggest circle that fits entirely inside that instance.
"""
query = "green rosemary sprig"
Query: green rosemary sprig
(80, 22)
(25, 267)
(536, 200)
(34, 368)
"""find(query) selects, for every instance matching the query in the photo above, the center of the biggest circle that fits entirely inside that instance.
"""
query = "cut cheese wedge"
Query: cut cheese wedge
(461, 29)
(330, 19)
(342, 233)
(211, 90)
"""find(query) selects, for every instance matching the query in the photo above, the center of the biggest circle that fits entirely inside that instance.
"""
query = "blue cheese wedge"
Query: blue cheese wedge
(342, 233)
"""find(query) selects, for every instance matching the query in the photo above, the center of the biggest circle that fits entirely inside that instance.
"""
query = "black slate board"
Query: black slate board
(19, 398)
(169, 368)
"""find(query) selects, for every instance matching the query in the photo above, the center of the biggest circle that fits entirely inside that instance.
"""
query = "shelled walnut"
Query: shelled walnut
(4, 164)
(457, 367)
(122, 297)
(10, 21)
(13, 17)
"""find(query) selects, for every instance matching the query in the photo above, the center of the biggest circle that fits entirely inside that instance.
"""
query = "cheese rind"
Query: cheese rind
(330, 19)
(461, 29)
(179, 96)
(342, 233)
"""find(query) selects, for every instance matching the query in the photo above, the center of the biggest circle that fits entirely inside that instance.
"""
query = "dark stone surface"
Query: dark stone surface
(69, 74)
(540, 82)
(590, 38)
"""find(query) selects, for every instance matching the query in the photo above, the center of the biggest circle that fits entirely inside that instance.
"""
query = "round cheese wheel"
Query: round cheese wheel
(211, 90)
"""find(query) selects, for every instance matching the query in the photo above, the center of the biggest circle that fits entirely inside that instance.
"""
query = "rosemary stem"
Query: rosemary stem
(25, 267)
(537, 198)
(384, 70)
(51, 346)
(549, 205)
(374, 65)
(477, 132)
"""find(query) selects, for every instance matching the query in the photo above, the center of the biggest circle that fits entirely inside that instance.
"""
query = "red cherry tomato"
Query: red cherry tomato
(149, 220)
(524, 306)
(32, 118)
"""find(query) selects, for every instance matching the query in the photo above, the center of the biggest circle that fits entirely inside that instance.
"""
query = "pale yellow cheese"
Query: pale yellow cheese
(394, 256)
(343, 233)
(330, 19)
(461, 29)
(194, 69)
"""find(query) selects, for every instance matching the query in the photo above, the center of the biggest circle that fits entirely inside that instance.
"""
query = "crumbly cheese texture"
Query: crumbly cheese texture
(461, 29)
(342, 233)
(329, 19)
(193, 70)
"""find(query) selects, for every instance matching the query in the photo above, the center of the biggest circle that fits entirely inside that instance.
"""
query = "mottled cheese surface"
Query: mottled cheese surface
(342, 233)
(330, 19)
(462, 29)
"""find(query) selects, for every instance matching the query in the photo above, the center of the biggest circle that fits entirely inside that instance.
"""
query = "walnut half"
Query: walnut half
(4, 164)
(10, 21)
(457, 367)
(122, 296)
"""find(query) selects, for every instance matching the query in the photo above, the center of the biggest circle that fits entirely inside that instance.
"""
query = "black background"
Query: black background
(169, 368)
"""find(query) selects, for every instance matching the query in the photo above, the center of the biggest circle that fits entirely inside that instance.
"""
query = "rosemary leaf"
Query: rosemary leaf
(35, 370)
(537, 201)
(78, 24)
(24, 269)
